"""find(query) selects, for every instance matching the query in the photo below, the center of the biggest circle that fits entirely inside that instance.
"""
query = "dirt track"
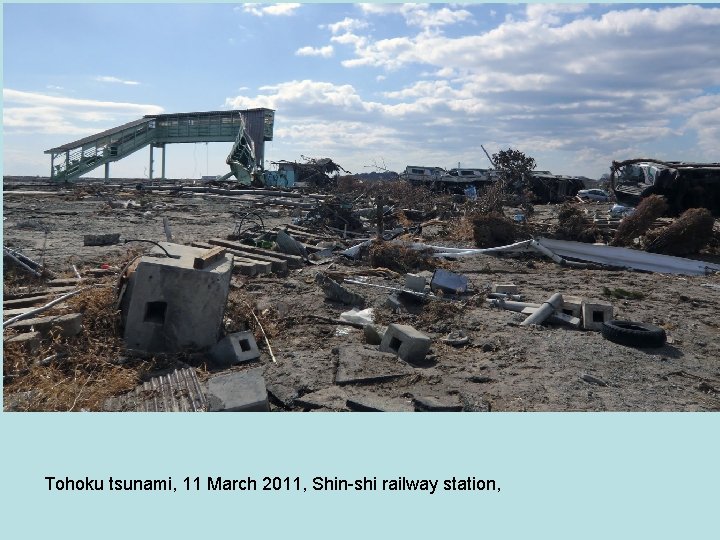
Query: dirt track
(505, 367)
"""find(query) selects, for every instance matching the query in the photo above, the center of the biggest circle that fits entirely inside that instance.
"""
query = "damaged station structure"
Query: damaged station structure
(304, 287)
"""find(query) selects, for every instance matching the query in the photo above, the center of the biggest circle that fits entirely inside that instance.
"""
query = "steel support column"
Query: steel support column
(151, 162)
(107, 170)
(164, 149)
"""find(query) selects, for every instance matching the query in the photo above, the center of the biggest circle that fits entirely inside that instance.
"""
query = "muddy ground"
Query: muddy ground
(505, 367)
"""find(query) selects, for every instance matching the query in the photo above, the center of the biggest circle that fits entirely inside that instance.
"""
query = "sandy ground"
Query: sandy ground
(505, 367)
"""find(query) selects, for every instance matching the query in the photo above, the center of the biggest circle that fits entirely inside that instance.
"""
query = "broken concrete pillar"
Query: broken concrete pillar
(235, 349)
(170, 306)
(544, 311)
(238, 391)
(595, 313)
(403, 340)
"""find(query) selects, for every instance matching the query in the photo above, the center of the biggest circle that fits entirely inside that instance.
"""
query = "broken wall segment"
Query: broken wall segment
(169, 306)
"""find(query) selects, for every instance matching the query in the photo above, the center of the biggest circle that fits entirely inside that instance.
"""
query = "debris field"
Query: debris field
(304, 325)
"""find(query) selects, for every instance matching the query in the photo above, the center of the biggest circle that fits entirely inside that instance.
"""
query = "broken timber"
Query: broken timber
(291, 261)
(209, 257)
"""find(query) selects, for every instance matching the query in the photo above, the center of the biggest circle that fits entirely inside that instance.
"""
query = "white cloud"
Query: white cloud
(556, 82)
(40, 113)
(347, 25)
(325, 52)
(116, 80)
(422, 15)
(259, 10)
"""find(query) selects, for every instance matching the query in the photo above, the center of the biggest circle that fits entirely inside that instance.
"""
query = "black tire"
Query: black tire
(634, 334)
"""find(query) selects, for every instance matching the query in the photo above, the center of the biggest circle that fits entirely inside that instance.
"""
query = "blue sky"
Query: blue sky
(573, 86)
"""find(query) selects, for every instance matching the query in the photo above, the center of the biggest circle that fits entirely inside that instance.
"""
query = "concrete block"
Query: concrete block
(101, 239)
(170, 306)
(448, 282)
(235, 349)
(374, 333)
(408, 343)
(507, 288)
(572, 305)
(30, 341)
(238, 391)
(595, 313)
(414, 282)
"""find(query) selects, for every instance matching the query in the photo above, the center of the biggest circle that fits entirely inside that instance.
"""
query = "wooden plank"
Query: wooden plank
(210, 256)
(8, 313)
(260, 267)
(26, 302)
(291, 261)
(63, 281)
(244, 268)
(38, 293)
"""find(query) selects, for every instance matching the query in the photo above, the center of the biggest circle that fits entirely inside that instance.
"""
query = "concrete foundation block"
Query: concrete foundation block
(414, 282)
(235, 349)
(572, 305)
(506, 288)
(406, 342)
(238, 391)
(169, 306)
(595, 313)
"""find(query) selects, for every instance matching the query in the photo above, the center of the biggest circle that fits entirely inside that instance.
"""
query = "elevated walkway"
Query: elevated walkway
(72, 160)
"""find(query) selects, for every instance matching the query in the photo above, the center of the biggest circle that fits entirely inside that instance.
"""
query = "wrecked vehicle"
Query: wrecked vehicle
(685, 185)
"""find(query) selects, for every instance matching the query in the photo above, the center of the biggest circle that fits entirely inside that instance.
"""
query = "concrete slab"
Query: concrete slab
(373, 403)
(433, 404)
(361, 364)
(408, 343)
(238, 391)
(331, 398)
(282, 394)
(235, 349)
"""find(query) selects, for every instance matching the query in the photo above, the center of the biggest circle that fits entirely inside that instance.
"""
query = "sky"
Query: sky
(371, 85)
